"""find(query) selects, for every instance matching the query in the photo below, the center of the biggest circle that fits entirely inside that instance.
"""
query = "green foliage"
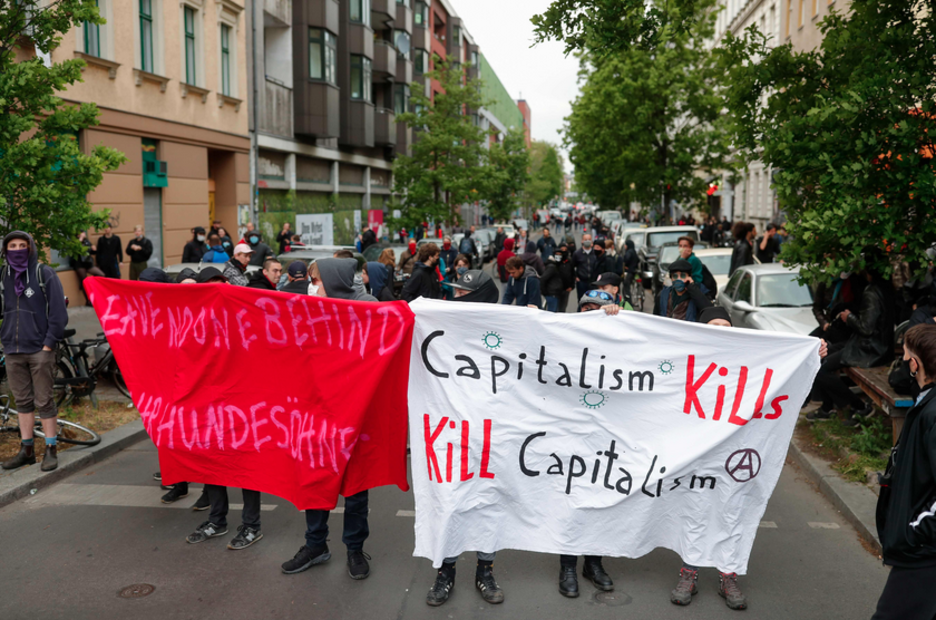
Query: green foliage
(855, 450)
(648, 120)
(45, 177)
(447, 167)
(849, 129)
(509, 162)
(545, 175)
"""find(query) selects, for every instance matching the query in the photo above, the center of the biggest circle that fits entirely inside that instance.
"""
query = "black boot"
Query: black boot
(568, 582)
(595, 571)
(445, 581)
(50, 460)
(487, 585)
(25, 456)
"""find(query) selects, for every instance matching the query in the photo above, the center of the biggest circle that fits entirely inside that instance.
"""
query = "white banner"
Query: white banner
(590, 434)
(316, 228)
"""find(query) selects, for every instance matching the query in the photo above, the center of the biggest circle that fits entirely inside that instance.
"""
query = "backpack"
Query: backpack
(708, 281)
(466, 246)
(42, 286)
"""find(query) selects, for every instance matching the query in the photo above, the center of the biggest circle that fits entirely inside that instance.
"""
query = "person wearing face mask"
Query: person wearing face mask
(546, 245)
(584, 261)
(424, 281)
(109, 253)
(139, 250)
(683, 299)
(248, 228)
(502, 258)
(449, 257)
(226, 242)
(34, 319)
(216, 253)
(235, 270)
(567, 273)
(603, 262)
(408, 259)
(379, 279)
(196, 248)
(261, 251)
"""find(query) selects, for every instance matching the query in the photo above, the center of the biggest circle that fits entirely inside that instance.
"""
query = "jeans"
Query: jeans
(218, 497)
(908, 595)
(355, 524)
(482, 557)
(552, 303)
(830, 388)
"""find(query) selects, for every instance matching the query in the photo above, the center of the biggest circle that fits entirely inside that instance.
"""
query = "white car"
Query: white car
(768, 297)
(718, 262)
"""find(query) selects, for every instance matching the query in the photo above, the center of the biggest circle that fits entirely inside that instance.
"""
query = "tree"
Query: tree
(446, 168)
(849, 129)
(546, 174)
(44, 176)
(507, 175)
(648, 121)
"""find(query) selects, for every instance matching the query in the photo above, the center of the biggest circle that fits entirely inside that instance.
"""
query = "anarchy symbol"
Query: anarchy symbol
(743, 465)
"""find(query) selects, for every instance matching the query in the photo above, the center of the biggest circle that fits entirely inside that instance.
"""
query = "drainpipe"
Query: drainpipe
(255, 149)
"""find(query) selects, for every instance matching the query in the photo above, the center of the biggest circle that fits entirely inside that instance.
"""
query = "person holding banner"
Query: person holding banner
(682, 300)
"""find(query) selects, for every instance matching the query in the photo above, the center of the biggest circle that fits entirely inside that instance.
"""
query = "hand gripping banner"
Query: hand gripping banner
(590, 434)
(297, 396)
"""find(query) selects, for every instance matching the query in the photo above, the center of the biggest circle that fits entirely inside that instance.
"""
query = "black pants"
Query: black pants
(830, 388)
(570, 561)
(908, 595)
(218, 497)
(355, 532)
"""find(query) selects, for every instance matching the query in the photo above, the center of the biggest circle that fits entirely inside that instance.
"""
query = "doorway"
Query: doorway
(152, 222)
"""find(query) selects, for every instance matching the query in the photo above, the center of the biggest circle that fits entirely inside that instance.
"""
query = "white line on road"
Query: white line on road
(770, 525)
(406, 513)
(823, 526)
(127, 496)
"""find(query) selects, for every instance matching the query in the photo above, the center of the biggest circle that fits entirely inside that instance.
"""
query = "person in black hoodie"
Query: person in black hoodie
(551, 284)
(261, 251)
(268, 277)
(531, 258)
(196, 248)
(906, 509)
(34, 320)
(425, 279)
(743, 252)
(109, 253)
(631, 264)
(567, 272)
(379, 279)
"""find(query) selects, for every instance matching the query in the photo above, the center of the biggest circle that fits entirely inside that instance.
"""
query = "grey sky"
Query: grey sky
(542, 74)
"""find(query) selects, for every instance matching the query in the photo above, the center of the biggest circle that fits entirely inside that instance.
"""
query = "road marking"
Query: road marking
(125, 495)
(406, 513)
(823, 526)
(770, 525)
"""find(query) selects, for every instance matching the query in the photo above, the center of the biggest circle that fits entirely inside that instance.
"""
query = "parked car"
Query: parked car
(484, 239)
(609, 217)
(372, 253)
(651, 239)
(768, 297)
(718, 262)
(633, 232)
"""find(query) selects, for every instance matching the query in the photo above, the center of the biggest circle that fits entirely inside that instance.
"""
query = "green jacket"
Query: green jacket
(696, 268)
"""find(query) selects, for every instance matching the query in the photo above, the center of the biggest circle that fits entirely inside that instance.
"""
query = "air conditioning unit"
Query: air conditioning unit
(155, 173)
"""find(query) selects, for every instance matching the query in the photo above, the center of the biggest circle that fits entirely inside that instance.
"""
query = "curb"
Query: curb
(856, 502)
(23, 481)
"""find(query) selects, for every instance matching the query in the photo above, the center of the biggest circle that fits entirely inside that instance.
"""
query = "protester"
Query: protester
(546, 245)
(830, 300)
(368, 238)
(408, 259)
(297, 276)
(551, 284)
(567, 273)
(768, 246)
(476, 286)
(683, 299)
(531, 258)
(248, 228)
(187, 276)
(247, 533)
(686, 245)
(195, 249)
(467, 245)
(334, 277)
(906, 514)
(139, 250)
(499, 239)
(424, 281)
(603, 263)
(267, 278)
(154, 274)
(448, 255)
(388, 258)
(284, 237)
(610, 283)
(584, 261)
(216, 252)
(743, 253)
(261, 251)
(523, 286)
(380, 280)
(502, 258)
(235, 270)
(83, 265)
(226, 242)
(631, 263)
(109, 253)
(34, 319)
(296, 243)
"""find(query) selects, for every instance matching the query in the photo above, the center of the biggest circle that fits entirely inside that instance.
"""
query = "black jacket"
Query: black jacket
(258, 280)
(631, 260)
(499, 239)
(85, 261)
(741, 255)
(872, 340)
(584, 264)
(551, 281)
(768, 255)
(298, 287)
(193, 252)
(906, 508)
(423, 283)
(109, 251)
(143, 254)
(283, 240)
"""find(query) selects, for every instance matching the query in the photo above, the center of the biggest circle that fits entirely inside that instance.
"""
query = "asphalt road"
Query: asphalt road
(70, 549)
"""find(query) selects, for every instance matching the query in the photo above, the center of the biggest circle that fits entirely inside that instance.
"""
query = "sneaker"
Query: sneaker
(246, 536)
(305, 558)
(175, 494)
(358, 567)
(685, 587)
(595, 571)
(487, 585)
(157, 476)
(440, 590)
(203, 503)
(820, 415)
(205, 531)
(728, 590)
(568, 582)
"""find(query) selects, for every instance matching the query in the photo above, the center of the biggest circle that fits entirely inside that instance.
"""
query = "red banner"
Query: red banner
(297, 396)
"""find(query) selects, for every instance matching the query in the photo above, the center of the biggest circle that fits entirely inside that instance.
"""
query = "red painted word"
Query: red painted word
(432, 459)
(693, 386)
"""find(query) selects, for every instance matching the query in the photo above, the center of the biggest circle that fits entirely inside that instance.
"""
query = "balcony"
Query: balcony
(404, 70)
(385, 133)
(404, 18)
(361, 124)
(361, 40)
(277, 111)
(317, 110)
(382, 12)
(385, 61)
(318, 14)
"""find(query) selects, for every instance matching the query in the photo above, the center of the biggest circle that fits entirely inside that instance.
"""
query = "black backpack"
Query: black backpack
(466, 246)
(708, 281)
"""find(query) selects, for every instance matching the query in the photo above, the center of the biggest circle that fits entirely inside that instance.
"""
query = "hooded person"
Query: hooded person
(475, 285)
(502, 257)
(336, 277)
(378, 278)
(152, 274)
(425, 279)
(531, 258)
(408, 258)
(186, 274)
(551, 283)
(34, 319)
(523, 285)
(631, 263)
(209, 275)
(196, 248)
(261, 251)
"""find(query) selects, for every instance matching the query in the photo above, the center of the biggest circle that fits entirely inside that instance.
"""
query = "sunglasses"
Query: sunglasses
(596, 294)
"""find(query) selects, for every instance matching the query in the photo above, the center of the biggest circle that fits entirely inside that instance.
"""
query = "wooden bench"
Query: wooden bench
(873, 382)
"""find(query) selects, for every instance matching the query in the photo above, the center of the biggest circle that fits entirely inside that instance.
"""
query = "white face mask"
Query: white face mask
(845, 275)
(201, 237)
(315, 290)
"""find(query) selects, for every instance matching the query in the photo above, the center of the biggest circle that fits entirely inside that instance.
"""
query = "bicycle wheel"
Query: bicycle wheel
(118, 378)
(637, 295)
(69, 432)
(62, 391)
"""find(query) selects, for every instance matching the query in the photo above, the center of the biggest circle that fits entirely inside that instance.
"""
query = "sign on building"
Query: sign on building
(316, 228)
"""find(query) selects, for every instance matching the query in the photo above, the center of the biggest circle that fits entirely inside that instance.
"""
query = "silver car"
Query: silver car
(768, 297)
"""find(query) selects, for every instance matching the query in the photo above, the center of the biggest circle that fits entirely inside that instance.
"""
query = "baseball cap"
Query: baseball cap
(470, 281)
(714, 312)
(209, 273)
(297, 269)
(609, 277)
(243, 248)
(597, 297)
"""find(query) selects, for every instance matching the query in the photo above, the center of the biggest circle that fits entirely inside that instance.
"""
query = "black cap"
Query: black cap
(185, 274)
(209, 273)
(198, 230)
(608, 278)
(680, 265)
(714, 312)
(297, 269)
(470, 281)
(151, 274)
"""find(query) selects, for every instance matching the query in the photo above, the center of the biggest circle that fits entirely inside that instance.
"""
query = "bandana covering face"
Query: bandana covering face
(19, 262)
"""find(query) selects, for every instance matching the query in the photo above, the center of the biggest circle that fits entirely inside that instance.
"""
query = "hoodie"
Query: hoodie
(261, 251)
(31, 321)
(502, 257)
(631, 262)
(531, 258)
(379, 276)
(525, 291)
(338, 278)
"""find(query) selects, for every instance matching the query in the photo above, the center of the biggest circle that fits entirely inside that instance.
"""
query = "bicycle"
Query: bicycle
(637, 294)
(77, 375)
(68, 432)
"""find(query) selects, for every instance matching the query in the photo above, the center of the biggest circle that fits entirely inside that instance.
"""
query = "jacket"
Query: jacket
(631, 261)
(696, 298)
(215, 255)
(872, 340)
(696, 268)
(448, 256)
(423, 283)
(337, 276)
(551, 282)
(407, 262)
(741, 255)
(193, 251)
(261, 251)
(380, 281)
(86, 261)
(546, 247)
(499, 239)
(259, 280)
(532, 259)
(584, 263)
(109, 251)
(525, 291)
(143, 254)
(297, 287)
(283, 240)
(906, 508)
(502, 257)
(235, 273)
(30, 322)
(567, 272)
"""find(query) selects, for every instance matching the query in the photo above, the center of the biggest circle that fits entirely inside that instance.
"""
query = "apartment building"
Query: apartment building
(801, 21)
(170, 80)
(328, 80)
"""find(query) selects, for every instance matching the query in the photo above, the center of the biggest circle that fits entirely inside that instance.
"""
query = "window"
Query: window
(789, 17)
(225, 60)
(733, 283)
(815, 7)
(360, 78)
(474, 59)
(403, 2)
(322, 55)
(801, 12)
(190, 75)
(146, 35)
(420, 61)
(421, 15)
(360, 12)
(456, 34)
(92, 38)
(744, 289)
(401, 97)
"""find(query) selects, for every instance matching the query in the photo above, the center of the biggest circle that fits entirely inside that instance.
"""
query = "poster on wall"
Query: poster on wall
(375, 220)
(316, 228)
